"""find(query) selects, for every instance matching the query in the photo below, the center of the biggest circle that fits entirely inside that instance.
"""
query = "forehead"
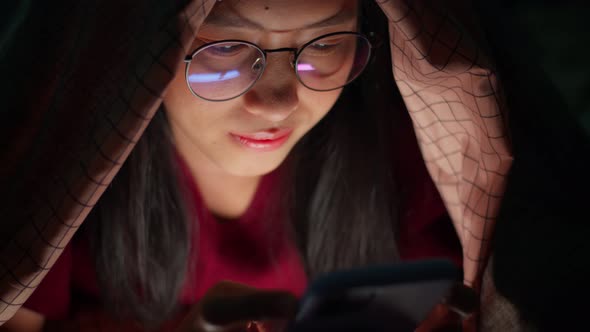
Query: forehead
(282, 15)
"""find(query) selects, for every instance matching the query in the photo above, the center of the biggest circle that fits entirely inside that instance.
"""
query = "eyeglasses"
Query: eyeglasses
(227, 69)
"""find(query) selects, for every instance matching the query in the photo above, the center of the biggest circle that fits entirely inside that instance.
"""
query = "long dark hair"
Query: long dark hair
(342, 198)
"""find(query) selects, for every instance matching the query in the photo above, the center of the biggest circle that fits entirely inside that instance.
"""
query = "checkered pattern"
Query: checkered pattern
(109, 85)
(452, 94)
(110, 91)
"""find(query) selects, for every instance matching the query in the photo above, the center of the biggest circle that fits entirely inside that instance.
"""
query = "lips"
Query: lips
(265, 140)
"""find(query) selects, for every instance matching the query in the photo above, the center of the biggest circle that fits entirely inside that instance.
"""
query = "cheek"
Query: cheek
(204, 127)
(193, 116)
(318, 103)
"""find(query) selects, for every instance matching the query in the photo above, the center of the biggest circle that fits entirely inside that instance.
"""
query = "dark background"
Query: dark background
(556, 35)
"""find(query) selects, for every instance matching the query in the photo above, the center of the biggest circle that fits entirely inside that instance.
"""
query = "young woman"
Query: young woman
(282, 151)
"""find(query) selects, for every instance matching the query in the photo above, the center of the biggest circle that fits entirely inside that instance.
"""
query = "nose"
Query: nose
(274, 97)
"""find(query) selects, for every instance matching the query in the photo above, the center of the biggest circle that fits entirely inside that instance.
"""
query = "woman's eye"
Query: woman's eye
(324, 46)
(226, 50)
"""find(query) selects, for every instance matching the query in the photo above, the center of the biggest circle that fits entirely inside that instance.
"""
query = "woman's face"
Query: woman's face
(252, 134)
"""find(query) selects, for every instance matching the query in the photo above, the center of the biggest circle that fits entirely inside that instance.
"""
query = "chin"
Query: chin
(256, 167)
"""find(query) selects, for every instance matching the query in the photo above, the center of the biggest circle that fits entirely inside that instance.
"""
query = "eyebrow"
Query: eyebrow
(235, 20)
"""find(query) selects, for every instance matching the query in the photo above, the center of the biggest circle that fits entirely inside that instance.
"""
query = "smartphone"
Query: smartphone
(379, 298)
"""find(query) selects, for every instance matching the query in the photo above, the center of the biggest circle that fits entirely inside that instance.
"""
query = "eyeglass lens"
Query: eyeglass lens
(225, 70)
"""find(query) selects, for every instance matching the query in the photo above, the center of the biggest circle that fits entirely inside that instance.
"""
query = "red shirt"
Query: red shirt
(239, 250)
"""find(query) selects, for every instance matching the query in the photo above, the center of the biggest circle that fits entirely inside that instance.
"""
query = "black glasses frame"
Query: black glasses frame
(294, 62)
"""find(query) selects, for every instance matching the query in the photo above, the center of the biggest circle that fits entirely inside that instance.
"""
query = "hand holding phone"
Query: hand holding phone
(372, 299)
